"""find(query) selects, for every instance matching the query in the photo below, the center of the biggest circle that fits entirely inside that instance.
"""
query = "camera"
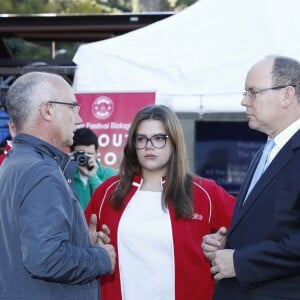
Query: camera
(81, 158)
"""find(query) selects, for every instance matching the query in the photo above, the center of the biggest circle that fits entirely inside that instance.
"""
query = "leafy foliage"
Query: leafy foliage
(84, 6)
(31, 51)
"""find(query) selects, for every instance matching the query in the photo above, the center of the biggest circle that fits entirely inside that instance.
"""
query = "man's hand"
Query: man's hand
(213, 242)
(91, 168)
(102, 239)
(104, 234)
(222, 264)
(98, 237)
(112, 255)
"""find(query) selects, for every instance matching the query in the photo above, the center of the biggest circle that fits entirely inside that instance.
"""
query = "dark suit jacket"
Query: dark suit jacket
(265, 232)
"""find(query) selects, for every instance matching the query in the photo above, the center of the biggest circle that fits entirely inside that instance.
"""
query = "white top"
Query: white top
(84, 179)
(145, 249)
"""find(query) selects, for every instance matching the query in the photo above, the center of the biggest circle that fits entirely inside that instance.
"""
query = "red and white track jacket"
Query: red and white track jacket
(213, 208)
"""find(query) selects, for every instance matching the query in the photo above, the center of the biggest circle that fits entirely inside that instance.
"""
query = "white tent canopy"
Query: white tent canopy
(197, 59)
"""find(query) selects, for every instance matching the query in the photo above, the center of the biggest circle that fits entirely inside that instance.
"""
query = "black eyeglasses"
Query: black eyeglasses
(75, 105)
(158, 141)
(252, 93)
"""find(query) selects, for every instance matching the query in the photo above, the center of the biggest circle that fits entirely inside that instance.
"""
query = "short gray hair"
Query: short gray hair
(286, 71)
(26, 94)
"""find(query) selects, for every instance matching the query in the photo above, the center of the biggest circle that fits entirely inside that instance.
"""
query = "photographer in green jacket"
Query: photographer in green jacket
(89, 173)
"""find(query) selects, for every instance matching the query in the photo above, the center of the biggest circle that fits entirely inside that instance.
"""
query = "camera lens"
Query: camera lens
(81, 158)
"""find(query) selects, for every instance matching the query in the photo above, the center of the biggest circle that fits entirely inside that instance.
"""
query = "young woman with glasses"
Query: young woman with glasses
(157, 213)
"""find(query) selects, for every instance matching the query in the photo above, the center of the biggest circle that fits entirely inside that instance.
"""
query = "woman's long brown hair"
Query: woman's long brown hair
(178, 187)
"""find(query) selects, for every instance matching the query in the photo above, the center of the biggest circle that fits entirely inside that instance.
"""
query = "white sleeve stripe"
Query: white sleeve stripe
(208, 197)
(105, 194)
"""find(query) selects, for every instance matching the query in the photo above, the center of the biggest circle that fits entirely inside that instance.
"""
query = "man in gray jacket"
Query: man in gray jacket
(47, 250)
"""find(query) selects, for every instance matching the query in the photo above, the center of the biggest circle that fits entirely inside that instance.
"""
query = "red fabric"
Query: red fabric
(213, 209)
(3, 155)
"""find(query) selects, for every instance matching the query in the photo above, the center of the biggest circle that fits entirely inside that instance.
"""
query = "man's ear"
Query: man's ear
(289, 95)
(46, 111)
(12, 128)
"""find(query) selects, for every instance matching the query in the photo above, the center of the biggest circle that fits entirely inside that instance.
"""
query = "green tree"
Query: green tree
(49, 6)
(184, 3)
(84, 6)
(117, 5)
(27, 50)
(5, 6)
(28, 6)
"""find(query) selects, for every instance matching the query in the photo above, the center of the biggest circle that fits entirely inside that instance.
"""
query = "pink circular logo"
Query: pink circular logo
(103, 108)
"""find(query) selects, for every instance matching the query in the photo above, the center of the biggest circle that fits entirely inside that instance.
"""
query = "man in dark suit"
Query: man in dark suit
(259, 256)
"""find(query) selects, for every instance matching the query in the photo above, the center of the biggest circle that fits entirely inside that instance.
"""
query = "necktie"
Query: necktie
(262, 165)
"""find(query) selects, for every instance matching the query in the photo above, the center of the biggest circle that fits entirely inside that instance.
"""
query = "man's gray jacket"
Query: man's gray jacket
(45, 249)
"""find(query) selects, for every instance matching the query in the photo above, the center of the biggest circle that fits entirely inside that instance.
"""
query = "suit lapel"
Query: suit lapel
(281, 159)
(248, 178)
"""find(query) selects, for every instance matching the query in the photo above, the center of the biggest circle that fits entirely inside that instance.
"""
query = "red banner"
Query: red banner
(110, 115)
